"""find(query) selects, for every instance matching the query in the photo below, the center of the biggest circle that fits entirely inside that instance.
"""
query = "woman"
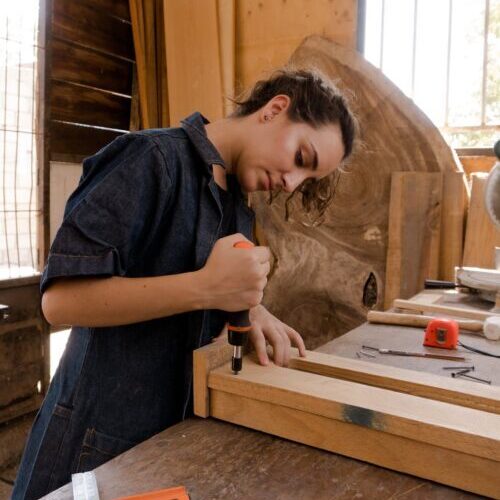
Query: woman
(145, 270)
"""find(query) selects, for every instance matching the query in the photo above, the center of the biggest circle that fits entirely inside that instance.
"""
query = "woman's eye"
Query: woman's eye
(299, 160)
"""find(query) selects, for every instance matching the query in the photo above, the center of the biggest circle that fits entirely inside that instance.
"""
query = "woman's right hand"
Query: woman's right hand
(233, 279)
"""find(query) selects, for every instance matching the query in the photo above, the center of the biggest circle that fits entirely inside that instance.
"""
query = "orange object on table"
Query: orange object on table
(176, 493)
(441, 333)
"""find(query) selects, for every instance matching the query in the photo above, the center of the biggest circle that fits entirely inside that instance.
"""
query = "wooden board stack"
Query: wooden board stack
(429, 426)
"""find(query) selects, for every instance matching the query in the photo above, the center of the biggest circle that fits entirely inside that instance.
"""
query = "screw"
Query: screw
(460, 373)
(475, 378)
(471, 368)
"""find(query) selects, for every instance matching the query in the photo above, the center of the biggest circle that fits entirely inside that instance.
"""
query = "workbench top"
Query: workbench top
(407, 338)
(218, 460)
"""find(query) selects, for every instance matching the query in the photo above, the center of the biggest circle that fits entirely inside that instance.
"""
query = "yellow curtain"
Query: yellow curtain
(149, 42)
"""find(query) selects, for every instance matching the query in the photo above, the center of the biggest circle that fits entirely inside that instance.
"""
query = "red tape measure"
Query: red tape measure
(441, 333)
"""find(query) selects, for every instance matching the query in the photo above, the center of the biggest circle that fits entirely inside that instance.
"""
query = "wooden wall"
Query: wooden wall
(89, 75)
(267, 32)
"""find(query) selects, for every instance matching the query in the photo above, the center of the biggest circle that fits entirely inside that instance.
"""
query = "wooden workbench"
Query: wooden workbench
(215, 459)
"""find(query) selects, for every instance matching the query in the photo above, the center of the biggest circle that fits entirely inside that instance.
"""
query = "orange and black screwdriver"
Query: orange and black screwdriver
(238, 326)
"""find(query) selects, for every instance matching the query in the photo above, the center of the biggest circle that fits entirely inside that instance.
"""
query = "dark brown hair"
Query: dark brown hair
(314, 100)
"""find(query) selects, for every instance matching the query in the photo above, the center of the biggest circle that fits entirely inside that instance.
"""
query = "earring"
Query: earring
(267, 117)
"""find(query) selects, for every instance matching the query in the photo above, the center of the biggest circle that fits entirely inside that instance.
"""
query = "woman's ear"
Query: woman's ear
(275, 106)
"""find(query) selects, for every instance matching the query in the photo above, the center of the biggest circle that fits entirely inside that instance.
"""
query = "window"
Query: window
(19, 135)
(445, 55)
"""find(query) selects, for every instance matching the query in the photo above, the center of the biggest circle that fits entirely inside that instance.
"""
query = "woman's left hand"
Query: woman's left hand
(268, 328)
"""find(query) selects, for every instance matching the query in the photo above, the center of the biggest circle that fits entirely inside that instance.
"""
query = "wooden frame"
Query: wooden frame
(408, 421)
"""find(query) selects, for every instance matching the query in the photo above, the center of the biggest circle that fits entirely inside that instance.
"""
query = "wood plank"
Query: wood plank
(20, 346)
(20, 408)
(73, 142)
(92, 28)
(226, 17)
(85, 105)
(475, 163)
(116, 8)
(441, 424)
(24, 302)
(21, 384)
(426, 385)
(454, 204)
(481, 236)
(84, 66)
(205, 359)
(193, 59)
(468, 472)
(414, 232)
(461, 312)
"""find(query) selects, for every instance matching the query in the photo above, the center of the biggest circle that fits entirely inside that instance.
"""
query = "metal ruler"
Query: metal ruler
(84, 486)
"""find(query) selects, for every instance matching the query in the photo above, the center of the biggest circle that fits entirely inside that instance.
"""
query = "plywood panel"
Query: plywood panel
(269, 32)
(226, 15)
(193, 59)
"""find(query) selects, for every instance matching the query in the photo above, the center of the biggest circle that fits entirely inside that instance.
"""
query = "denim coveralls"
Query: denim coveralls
(147, 205)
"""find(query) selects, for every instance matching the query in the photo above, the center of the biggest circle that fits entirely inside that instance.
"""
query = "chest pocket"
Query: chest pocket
(98, 448)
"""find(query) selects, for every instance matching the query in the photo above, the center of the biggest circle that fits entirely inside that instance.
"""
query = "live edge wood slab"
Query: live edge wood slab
(424, 435)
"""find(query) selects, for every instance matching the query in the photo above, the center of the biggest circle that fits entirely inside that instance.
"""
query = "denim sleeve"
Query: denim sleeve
(124, 192)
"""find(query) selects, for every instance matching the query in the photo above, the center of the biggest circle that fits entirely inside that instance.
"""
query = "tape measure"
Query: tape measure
(441, 333)
(84, 486)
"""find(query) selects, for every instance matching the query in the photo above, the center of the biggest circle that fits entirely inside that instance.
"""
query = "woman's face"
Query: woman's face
(279, 153)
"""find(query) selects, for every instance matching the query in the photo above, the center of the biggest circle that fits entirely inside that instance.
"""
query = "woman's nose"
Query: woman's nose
(292, 180)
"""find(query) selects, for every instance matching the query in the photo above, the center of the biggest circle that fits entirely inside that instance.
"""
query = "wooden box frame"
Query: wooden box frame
(421, 424)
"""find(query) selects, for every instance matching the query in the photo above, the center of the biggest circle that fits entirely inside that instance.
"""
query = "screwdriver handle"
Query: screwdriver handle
(239, 321)
(238, 325)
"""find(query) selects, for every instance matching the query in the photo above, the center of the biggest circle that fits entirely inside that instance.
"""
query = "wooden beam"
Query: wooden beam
(461, 312)
(468, 472)
(427, 385)
(437, 423)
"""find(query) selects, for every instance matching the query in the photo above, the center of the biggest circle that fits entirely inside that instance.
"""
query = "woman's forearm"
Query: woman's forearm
(115, 301)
